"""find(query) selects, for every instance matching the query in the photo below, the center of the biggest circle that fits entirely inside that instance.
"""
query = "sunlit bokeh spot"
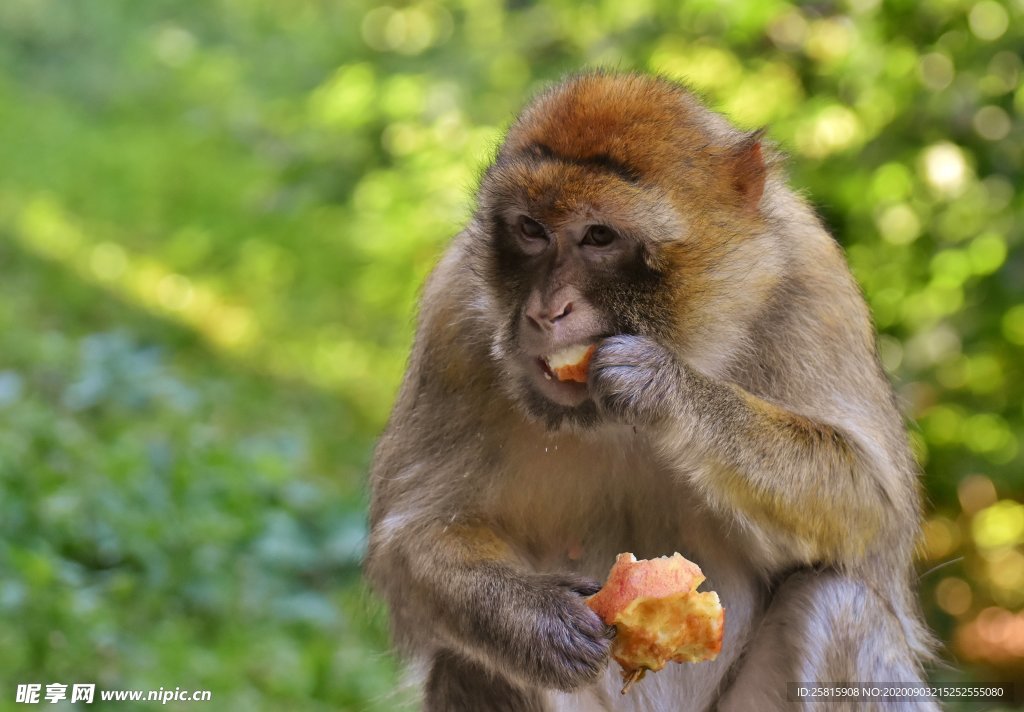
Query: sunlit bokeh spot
(940, 536)
(762, 97)
(45, 228)
(1001, 524)
(988, 433)
(945, 168)
(987, 253)
(789, 30)
(829, 40)
(991, 123)
(408, 30)
(1005, 568)
(174, 292)
(834, 129)
(953, 596)
(975, 493)
(702, 67)
(988, 20)
(995, 636)
(898, 224)
(108, 261)
(943, 424)
(936, 70)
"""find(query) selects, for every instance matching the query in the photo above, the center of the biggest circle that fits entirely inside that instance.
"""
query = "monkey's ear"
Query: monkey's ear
(748, 170)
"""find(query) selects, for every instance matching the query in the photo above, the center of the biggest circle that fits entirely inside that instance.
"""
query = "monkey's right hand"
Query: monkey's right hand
(554, 639)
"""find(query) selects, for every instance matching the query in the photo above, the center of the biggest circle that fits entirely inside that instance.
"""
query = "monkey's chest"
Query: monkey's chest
(572, 505)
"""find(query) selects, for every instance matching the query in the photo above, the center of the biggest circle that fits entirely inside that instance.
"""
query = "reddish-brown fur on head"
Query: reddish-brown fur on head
(651, 127)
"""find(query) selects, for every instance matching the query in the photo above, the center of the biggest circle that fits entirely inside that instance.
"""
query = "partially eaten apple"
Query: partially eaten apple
(658, 614)
(571, 363)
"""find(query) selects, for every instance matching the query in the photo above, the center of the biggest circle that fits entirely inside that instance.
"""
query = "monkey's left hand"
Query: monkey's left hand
(636, 380)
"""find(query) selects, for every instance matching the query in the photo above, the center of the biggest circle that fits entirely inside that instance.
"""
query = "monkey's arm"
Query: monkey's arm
(459, 587)
(809, 488)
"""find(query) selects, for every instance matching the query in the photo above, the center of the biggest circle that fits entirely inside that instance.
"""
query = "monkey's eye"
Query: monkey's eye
(531, 228)
(599, 236)
(533, 238)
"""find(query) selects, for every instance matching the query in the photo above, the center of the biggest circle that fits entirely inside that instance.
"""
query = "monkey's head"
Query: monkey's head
(618, 205)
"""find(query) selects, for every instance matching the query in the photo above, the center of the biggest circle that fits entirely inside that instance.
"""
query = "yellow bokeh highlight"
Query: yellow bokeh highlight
(1001, 524)
(829, 40)
(940, 536)
(702, 67)
(1005, 570)
(833, 129)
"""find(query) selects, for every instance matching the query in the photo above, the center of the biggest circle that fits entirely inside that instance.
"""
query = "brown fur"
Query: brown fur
(735, 412)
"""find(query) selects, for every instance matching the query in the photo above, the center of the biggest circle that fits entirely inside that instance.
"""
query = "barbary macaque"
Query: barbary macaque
(733, 409)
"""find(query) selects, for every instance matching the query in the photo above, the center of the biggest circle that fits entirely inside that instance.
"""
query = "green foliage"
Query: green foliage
(214, 218)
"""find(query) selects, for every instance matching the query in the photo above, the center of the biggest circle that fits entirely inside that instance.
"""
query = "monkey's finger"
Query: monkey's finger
(586, 587)
(577, 584)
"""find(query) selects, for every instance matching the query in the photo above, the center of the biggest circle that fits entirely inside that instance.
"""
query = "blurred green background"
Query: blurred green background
(214, 218)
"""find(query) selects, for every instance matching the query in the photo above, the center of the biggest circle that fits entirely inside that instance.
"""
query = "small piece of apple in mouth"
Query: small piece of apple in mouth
(569, 364)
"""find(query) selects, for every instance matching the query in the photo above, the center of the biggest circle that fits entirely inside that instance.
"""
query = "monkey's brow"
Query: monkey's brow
(599, 161)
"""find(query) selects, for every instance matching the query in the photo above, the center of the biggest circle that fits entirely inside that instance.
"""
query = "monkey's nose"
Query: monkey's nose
(543, 318)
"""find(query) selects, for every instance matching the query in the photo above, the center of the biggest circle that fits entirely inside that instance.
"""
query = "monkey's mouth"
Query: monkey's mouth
(545, 368)
(568, 364)
(561, 376)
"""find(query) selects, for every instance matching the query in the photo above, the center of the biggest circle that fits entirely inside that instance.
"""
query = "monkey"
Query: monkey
(734, 410)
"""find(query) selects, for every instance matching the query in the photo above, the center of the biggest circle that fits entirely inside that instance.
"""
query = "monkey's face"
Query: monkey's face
(572, 264)
(620, 207)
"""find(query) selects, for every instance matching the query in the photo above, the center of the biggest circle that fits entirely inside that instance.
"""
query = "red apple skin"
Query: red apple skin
(630, 579)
